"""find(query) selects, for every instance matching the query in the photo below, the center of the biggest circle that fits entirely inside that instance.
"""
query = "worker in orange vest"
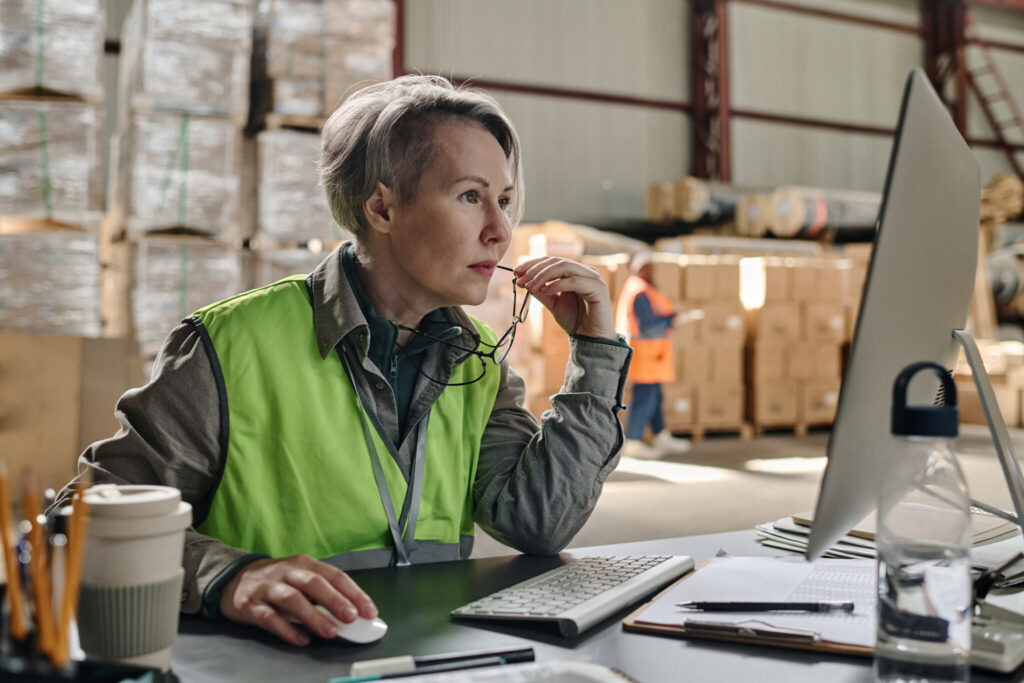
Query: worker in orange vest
(646, 315)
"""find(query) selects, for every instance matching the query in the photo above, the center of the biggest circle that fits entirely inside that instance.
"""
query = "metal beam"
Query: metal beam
(398, 54)
(709, 83)
(844, 17)
(943, 22)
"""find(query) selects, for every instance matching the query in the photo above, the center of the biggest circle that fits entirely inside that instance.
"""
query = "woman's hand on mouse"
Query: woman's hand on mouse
(275, 594)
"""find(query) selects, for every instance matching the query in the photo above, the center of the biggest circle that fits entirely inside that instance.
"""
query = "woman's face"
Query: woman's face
(448, 238)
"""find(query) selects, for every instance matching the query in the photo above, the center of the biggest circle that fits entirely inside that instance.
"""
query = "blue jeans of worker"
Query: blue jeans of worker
(644, 409)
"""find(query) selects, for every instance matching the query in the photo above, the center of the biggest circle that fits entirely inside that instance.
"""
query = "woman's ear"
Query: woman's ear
(379, 208)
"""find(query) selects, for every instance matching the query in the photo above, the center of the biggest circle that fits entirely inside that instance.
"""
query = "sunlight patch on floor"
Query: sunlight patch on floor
(786, 465)
(674, 472)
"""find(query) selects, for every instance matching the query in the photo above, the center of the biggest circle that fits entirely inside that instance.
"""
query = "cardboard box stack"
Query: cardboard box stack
(1004, 363)
(310, 53)
(798, 326)
(707, 341)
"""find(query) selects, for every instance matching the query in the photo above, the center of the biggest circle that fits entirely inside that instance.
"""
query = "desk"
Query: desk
(415, 601)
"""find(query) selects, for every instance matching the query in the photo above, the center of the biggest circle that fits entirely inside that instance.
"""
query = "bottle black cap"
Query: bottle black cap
(924, 420)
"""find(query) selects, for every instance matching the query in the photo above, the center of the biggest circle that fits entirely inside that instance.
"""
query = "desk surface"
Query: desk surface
(416, 601)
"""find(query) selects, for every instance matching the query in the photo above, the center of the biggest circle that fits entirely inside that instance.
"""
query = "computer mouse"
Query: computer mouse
(361, 631)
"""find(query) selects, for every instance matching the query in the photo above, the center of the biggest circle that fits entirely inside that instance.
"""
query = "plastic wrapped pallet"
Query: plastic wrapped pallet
(57, 44)
(350, 64)
(368, 21)
(173, 277)
(49, 283)
(179, 171)
(292, 205)
(51, 161)
(270, 266)
(187, 56)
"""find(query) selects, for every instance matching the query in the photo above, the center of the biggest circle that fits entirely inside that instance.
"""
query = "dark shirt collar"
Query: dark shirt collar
(341, 308)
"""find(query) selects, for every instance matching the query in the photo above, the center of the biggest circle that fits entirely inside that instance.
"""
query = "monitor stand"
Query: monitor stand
(996, 425)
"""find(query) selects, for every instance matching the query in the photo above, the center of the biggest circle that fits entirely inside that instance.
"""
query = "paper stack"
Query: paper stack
(791, 533)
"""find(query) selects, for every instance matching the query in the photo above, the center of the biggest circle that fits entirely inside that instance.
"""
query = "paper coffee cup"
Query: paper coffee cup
(132, 575)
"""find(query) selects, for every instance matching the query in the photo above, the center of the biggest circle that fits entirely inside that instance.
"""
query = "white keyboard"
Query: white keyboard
(581, 593)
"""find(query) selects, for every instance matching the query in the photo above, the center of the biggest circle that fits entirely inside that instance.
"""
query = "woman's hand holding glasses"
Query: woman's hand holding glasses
(574, 293)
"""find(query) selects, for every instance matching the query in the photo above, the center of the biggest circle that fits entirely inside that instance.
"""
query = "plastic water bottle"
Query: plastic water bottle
(925, 596)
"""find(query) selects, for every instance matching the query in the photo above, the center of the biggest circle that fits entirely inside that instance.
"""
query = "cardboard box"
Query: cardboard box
(726, 364)
(1008, 396)
(833, 280)
(668, 274)
(819, 360)
(727, 279)
(693, 363)
(658, 203)
(57, 396)
(766, 362)
(818, 401)
(614, 270)
(724, 324)
(765, 280)
(803, 275)
(698, 279)
(719, 405)
(688, 327)
(823, 322)
(772, 403)
(678, 406)
(774, 324)
(537, 404)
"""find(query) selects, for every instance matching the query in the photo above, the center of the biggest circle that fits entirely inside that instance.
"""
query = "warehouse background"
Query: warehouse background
(181, 169)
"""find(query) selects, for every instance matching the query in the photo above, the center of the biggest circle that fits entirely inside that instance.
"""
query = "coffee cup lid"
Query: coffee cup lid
(114, 500)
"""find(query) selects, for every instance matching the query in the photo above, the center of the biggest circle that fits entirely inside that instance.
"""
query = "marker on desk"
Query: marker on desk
(825, 606)
(408, 665)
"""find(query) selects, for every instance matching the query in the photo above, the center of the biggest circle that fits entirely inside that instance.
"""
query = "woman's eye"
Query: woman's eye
(471, 196)
(505, 204)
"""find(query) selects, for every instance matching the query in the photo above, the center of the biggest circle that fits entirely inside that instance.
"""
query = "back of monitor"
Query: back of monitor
(918, 290)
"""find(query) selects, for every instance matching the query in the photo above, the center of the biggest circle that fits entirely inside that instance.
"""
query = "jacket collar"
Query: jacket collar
(337, 314)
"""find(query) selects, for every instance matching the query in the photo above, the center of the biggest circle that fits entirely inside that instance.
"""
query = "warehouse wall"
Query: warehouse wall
(808, 66)
(583, 160)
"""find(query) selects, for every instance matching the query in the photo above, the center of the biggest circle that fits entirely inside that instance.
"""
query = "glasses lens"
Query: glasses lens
(524, 308)
(504, 345)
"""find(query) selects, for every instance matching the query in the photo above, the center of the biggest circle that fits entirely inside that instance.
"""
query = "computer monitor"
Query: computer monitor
(918, 290)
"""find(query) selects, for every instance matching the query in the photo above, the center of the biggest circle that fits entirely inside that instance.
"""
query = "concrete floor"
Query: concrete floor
(724, 484)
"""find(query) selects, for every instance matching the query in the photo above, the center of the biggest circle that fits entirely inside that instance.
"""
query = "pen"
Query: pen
(397, 667)
(825, 606)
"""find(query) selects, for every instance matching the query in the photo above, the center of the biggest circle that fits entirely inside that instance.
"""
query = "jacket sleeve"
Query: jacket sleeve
(651, 326)
(537, 485)
(170, 435)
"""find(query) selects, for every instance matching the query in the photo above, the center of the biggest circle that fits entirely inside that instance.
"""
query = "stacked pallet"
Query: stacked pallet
(174, 229)
(51, 158)
(707, 342)
(292, 207)
(794, 348)
(310, 53)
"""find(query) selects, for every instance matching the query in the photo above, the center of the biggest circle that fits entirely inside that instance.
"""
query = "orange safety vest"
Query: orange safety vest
(652, 358)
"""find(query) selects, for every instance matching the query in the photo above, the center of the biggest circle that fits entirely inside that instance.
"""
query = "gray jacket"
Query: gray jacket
(535, 484)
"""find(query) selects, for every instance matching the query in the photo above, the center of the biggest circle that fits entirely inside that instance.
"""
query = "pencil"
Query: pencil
(38, 568)
(19, 627)
(76, 531)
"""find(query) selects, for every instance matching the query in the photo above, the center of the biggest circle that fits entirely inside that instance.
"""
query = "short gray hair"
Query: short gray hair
(384, 133)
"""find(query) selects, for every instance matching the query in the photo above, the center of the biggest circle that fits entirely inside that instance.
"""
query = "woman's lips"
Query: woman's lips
(484, 267)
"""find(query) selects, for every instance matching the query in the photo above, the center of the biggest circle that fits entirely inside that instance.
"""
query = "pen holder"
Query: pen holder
(22, 669)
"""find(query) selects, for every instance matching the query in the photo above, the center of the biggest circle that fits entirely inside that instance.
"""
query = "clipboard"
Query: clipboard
(733, 633)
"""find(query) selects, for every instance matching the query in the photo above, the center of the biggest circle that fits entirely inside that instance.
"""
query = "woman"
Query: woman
(358, 415)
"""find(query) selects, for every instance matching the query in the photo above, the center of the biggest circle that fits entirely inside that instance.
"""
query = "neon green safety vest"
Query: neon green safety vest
(298, 475)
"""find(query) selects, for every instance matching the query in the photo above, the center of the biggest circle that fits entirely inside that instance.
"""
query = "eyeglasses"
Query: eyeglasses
(497, 353)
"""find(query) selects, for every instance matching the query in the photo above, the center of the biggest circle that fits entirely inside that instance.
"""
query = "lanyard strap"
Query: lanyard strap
(404, 542)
